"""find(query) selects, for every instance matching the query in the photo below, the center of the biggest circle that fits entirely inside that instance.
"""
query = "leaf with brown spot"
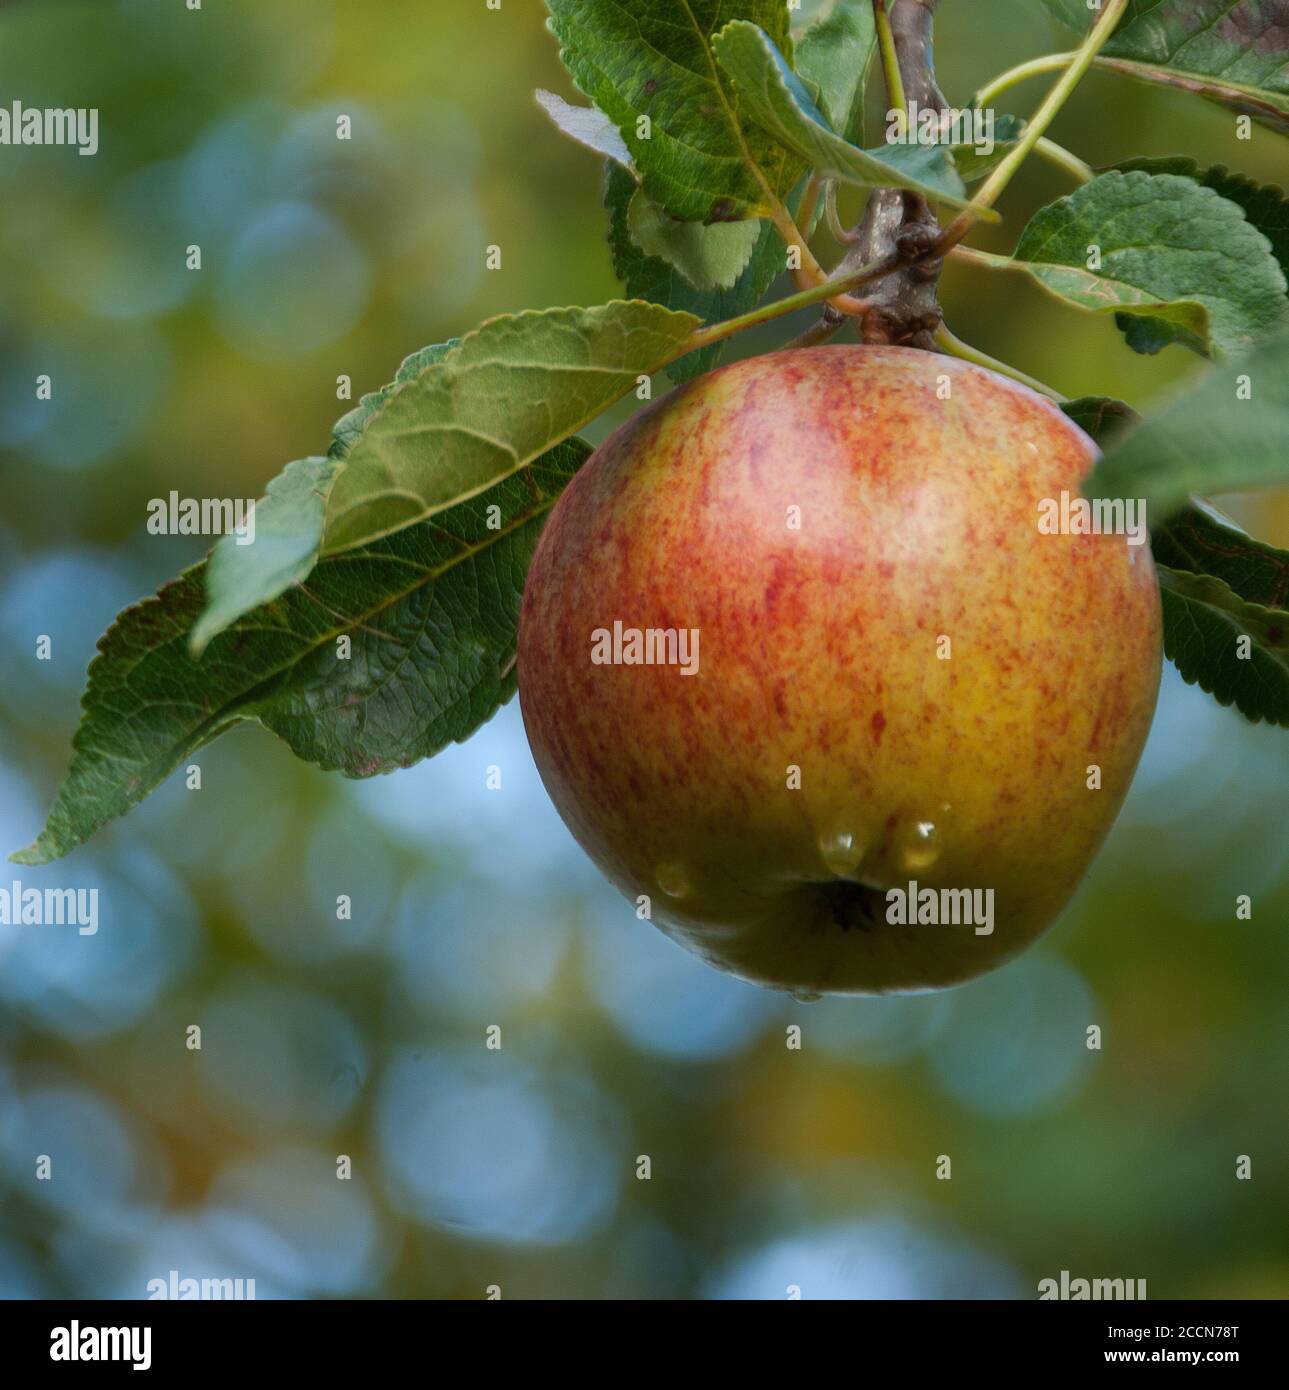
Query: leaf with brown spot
(1234, 52)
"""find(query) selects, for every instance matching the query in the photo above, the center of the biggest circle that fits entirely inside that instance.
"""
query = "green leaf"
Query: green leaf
(1209, 439)
(1204, 620)
(1075, 13)
(653, 58)
(1148, 336)
(587, 125)
(1270, 626)
(1265, 206)
(709, 258)
(432, 614)
(511, 390)
(648, 277)
(1218, 584)
(288, 532)
(776, 98)
(1235, 52)
(1169, 249)
(348, 428)
(290, 519)
(1102, 418)
(973, 164)
(1201, 540)
(835, 54)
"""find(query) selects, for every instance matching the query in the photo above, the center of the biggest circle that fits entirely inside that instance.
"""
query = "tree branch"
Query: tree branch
(911, 22)
(903, 307)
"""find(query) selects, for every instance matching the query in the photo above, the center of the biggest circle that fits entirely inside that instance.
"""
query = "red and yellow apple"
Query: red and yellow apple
(897, 675)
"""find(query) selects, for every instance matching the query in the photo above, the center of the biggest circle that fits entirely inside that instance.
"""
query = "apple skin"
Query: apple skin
(818, 650)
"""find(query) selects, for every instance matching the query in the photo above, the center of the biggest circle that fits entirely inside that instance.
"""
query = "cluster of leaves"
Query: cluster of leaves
(374, 618)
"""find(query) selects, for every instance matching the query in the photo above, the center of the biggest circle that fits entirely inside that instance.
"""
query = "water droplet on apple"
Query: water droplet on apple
(673, 880)
(919, 845)
(842, 851)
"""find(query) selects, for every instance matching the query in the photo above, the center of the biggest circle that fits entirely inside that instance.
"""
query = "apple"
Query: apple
(794, 645)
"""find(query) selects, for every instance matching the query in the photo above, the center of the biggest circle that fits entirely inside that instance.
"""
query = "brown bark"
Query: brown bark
(906, 309)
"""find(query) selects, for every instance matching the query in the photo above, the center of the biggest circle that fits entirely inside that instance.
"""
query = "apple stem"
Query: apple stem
(949, 343)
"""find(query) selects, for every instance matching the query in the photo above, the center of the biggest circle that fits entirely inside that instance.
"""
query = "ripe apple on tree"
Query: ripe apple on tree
(899, 674)
(901, 677)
